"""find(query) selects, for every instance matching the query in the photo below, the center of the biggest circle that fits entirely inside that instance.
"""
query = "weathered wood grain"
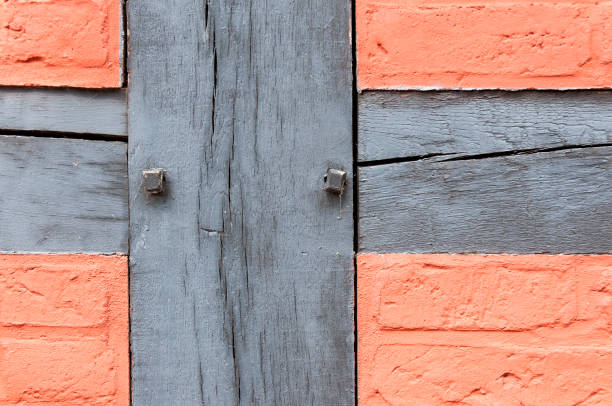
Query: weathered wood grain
(241, 274)
(64, 110)
(551, 202)
(411, 124)
(63, 195)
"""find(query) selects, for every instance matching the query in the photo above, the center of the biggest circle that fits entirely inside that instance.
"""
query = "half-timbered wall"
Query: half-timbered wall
(482, 140)
(484, 214)
(63, 205)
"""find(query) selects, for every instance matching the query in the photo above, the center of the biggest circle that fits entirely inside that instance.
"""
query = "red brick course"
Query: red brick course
(404, 44)
(60, 43)
(484, 330)
(64, 330)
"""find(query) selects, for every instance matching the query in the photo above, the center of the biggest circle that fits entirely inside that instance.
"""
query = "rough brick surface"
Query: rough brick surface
(53, 294)
(491, 293)
(38, 369)
(492, 376)
(484, 330)
(64, 330)
(60, 43)
(489, 44)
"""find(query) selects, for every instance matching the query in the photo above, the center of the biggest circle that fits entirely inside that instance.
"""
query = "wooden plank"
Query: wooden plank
(64, 110)
(410, 124)
(549, 202)
(63, 195)
(242, 273)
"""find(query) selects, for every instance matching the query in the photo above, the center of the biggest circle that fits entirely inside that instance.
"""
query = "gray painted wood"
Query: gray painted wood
(554, 202)
(64, 110)
(410, 124)
(63, 195)
(242, 273)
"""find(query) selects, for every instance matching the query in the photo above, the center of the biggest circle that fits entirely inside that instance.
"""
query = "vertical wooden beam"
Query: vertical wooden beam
(241, 273)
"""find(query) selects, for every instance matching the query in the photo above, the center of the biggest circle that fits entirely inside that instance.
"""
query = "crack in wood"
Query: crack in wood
(460, 156)
(397, 126)
(553, 200)
(244, 106)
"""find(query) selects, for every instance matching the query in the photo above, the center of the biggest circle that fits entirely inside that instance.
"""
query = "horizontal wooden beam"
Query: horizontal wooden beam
(63, 195)
(64, 110)
(544, 202)
(408, 124)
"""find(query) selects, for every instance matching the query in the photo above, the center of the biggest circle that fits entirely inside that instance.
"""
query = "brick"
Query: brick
(57, 371)
(489, 292)
(60, 43)
(490, 330)
(602, 18)
(52, 293)
(433, 375)
(491, 44)
(64, 335)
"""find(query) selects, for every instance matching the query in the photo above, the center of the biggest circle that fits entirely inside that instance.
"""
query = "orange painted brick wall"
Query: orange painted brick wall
(492, 330)
(404, 44)
(64, 330)
(60, 43)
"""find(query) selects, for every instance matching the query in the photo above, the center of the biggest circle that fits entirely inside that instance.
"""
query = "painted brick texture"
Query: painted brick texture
(60, 43)
(64, 330)
(407, 44)
(491, 330)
